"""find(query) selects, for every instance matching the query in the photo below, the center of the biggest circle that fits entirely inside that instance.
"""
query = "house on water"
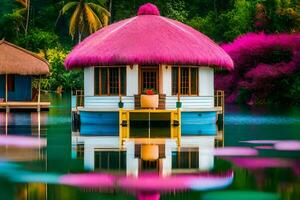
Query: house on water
(18, 66)
(148, 79)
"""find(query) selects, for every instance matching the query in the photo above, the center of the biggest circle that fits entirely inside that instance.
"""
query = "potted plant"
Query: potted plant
(149, 99)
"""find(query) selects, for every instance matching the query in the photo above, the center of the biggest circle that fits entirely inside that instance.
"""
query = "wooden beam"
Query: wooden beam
(179, 84)
(39, 95)
(108, 82)
(119, 82)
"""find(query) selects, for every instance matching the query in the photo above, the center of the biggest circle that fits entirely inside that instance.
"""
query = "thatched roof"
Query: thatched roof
(16, 60)
(148, 39)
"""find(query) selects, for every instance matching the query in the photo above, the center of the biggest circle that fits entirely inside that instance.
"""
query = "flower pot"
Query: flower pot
(149, 101)
(149, 152)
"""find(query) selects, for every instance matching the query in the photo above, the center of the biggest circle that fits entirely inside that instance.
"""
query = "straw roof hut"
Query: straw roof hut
(16, 60)
(148, 39)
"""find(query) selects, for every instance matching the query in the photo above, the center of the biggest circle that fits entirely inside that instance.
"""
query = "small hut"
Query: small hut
(169, 61)
(17, 68)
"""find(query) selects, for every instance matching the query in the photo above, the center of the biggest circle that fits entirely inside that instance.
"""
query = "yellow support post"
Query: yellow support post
(179, 127)
(120, 128)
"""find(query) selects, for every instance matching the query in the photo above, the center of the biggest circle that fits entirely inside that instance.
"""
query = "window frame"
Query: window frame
(108, 88)
(189, 80)
(154, 68)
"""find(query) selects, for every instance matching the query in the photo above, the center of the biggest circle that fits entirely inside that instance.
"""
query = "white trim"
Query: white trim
(132, 80)
(89, 81)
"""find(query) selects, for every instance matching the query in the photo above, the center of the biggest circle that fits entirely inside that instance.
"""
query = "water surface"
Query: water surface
(51, 168)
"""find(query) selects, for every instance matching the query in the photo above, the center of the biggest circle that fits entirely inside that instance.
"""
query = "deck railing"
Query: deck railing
(219, 99)
(219, 103)
(79, 94)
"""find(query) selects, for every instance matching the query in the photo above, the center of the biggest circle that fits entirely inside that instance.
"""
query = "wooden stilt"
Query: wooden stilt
(178, 109)
(39, 96)
(6, 93)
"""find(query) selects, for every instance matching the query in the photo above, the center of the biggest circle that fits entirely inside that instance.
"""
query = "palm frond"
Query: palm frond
(93, 20)
(21, 11)
(74, 21)
(23, 2)
(68, 6)
(99, 9)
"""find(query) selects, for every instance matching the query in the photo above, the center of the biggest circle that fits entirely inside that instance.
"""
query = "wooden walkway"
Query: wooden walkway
(24, 105)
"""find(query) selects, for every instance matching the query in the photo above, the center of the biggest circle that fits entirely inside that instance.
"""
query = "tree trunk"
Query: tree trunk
(27, 17)
(110, 8)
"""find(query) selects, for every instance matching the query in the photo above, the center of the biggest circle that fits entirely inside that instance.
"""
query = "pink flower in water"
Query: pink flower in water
(89, 180)
(22, 141)
(288, 145)
(259, 163)
(235, 151)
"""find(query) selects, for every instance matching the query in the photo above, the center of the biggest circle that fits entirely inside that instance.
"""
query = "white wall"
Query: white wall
(206, 81)
(190, 102)
(166, 80)
(89, 81)
(132, 80)
(107, 102)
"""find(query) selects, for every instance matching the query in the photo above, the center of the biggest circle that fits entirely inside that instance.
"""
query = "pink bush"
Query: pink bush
(260, 60)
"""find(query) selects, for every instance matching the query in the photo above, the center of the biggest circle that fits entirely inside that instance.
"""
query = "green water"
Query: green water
(241, 124)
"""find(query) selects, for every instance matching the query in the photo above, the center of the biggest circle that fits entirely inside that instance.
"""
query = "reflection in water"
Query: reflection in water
(22, 141)
(241, 195)
(89, 180)
(40, 158)
(258, 163)
(235, 151)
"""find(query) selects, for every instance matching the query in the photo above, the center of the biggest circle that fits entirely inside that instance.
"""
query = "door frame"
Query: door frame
(148, 68)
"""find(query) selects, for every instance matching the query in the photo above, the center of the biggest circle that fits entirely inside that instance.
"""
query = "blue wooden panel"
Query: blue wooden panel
(198, 129)
(98, 118)
(198, 123)
(99, 123)
(198, 117)
(22, 91)
(99, 130)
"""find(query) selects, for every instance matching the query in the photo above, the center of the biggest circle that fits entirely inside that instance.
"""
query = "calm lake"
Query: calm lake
(262, 160)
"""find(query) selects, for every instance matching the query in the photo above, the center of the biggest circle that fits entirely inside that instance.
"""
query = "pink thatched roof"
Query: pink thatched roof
(147, 39)
(16, 60)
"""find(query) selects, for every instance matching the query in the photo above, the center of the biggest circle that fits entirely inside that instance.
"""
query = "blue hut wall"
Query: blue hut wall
(198, 123)
(22, 90)
(99, 123)
(107, 123)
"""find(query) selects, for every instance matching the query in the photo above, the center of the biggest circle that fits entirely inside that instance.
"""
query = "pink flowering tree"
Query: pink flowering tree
(262, 62)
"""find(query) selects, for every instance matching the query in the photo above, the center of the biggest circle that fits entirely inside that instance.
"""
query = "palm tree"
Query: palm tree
(26, 5)
(88, 17)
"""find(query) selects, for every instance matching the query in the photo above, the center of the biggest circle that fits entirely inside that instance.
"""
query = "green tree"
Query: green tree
(38, 40)
(88, 16)
(176, 9)
(59, 76)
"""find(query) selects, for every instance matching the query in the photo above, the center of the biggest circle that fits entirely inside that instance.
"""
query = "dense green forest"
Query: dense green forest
(44, 28)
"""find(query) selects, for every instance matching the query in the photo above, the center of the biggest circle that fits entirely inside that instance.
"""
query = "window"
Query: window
(188, 81)
(110, 81)
(11, 82)
(149, 78)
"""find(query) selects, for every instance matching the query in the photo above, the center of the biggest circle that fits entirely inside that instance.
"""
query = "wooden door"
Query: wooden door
(149, 78)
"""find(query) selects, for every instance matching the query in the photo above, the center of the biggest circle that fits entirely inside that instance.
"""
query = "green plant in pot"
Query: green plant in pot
(149, 99)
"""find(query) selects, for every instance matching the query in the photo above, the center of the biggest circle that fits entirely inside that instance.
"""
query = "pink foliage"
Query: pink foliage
(259, 60)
